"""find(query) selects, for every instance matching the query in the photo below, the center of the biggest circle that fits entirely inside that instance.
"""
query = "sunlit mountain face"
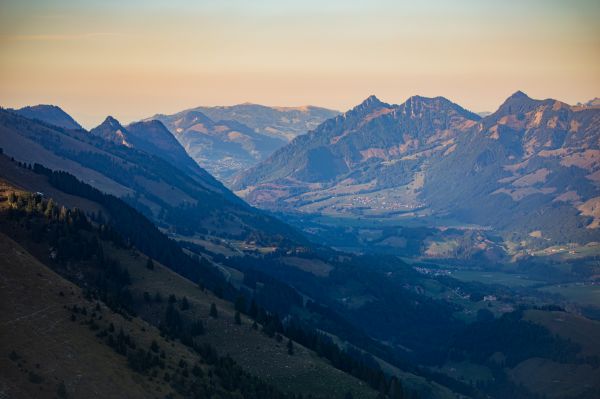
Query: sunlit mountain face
(229, 140)
(517, 171)
(201, 199)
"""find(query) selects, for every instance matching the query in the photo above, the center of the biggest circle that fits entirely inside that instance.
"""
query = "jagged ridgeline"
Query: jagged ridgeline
(166, 186)
(528, 171)
(228, 140)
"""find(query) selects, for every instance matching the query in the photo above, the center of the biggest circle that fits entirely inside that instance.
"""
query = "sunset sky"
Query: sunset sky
(132, 59)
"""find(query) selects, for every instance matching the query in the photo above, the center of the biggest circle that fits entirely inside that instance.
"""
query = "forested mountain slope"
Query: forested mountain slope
(519, 170)
(153, 331)
(187, 201)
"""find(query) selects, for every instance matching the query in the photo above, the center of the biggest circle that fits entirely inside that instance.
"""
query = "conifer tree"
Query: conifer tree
(213, 311)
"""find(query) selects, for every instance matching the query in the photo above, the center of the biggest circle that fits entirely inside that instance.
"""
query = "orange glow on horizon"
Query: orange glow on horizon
(133, 62)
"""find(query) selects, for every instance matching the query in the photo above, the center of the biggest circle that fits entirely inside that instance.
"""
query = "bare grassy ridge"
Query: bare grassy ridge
(37, 327)
(48, 348)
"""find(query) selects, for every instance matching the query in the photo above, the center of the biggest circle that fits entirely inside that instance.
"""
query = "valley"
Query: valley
(404, 162)
(299, 199)
(376, 289)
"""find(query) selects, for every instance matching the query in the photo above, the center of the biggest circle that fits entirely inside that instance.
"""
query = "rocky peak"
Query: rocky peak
(518, 102)
(369, 104)
(110, 122)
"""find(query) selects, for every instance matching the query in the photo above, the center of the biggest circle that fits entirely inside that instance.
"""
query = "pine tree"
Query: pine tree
(154, 346)
(240, 304)
(238, 319)
(290, 347)
(196, 328)
(185, 304)
(150, 264)
(253, 311)
(61, 392)
(49, 212)
(213, 311)
(63, 214)
(396, 391)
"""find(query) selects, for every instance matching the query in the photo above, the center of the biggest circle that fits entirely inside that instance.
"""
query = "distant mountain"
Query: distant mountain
(135, 164)
(592, 103)
(279, 122)
(223, 148)
(50, 114)
(151, 137)
(391, 318)
(532, 168)
(112, 130)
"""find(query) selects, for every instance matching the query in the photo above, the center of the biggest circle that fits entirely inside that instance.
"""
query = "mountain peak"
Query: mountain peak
(369, 104)
(428, 100)
(48, 113)
(154, 123)
(112, 122)
(595, 102)
(518, 102)
(111, 130)
(372, 99)
(519, 95)
(418, 104)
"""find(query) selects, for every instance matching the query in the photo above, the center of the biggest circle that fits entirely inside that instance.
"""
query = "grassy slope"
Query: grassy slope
(578, 329)
(558, 380)
(193, 201)
(555, 380)
(23, 179)
(37, 326)
(304, 372)
(583, 294)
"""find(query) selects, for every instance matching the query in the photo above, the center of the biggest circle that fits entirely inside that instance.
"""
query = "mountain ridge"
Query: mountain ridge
(190, 202)
(279, 122)
(50, 114)
(224, 143)
(382, 159)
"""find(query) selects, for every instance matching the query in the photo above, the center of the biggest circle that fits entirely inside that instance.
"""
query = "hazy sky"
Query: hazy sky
(131, 59)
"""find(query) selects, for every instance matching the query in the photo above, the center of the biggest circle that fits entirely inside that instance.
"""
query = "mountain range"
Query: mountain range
(122, 222)
(595, 102)
(228, 140)
(280, 122)
(530, 170)
(147, 167)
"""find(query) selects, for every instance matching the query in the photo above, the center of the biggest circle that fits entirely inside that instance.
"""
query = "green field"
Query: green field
(582, 294)
(578, 329)
(555, 380)
(508, 279)
(466, 372)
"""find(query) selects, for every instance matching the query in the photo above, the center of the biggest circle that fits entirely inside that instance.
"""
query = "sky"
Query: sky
(132, 59)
